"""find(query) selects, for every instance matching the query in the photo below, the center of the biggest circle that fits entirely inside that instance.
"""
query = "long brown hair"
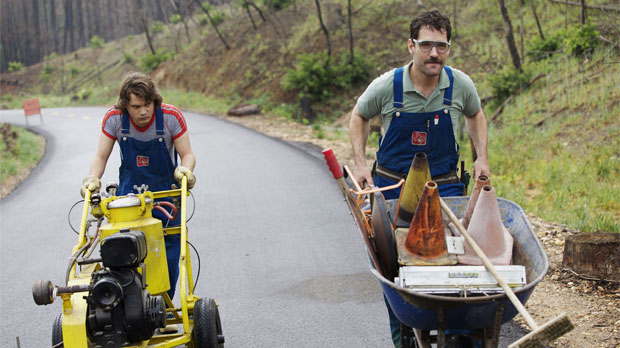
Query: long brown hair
(141, 86)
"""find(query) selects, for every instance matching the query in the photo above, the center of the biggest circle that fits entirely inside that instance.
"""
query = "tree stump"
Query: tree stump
(595, 255)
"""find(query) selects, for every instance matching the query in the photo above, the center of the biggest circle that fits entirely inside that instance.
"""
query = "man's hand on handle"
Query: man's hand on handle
(180, 172)
(481, 167)
(90, 183)
(362, 175)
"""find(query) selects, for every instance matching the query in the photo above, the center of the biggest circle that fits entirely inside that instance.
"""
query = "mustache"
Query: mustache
(433, 60)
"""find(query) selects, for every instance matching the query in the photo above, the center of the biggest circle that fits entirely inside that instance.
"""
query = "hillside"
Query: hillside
(563, 130)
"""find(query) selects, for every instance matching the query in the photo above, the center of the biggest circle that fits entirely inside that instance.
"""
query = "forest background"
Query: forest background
(547, 72)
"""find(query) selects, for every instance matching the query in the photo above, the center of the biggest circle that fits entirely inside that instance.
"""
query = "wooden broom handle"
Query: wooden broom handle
(511, 295)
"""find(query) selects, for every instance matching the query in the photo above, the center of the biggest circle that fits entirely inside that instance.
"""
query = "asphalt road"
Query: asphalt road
(280, 252)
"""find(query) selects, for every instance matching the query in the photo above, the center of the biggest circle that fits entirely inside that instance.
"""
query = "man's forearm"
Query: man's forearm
(359, 128)
(477, 128)
(189, 161)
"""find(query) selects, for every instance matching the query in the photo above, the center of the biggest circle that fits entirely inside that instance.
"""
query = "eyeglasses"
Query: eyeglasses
(427, 46)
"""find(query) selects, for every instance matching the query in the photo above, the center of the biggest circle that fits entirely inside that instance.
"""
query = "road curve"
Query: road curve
(280, 252)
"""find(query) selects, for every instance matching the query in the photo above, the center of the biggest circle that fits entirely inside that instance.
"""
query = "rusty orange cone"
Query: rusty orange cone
(425, 242)
(487, 229)
(419, 174)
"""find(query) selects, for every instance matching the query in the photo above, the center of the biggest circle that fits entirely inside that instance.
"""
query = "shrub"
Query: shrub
(96, 42)
(539, 49)
(74, 71)
(46, 72)
(507, 81)
(581, 40)
(128, 58)
(150, 61)
(312, 79)
(50, 56)
(157, 27)
(203, 20)
(277, 4)
(310, 76)
(15, 66)
(351, 74)
(218, 18)
(175, 18)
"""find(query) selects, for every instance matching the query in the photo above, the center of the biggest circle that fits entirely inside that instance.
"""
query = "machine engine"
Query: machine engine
(120, 308)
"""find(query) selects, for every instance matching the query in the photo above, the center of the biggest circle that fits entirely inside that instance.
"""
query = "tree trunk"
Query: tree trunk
(325, 31)
(583, 12)
(80, 23)
(97, 24)
(247, 10)
(213, 25)
(512, 47)
(260, 13)
(69, 34)
(351, 57)
(53, 25)
(540, 31)
(595, 255)
(145, 28)
(36, 37)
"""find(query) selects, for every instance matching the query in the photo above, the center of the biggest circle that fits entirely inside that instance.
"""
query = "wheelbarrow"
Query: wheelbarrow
(445, 319)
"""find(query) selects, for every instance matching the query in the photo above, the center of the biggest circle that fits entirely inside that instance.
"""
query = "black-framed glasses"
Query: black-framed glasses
(427, 46)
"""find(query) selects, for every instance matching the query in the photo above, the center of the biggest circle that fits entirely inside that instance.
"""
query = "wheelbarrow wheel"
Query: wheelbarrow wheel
(207, 325)
(57, 332)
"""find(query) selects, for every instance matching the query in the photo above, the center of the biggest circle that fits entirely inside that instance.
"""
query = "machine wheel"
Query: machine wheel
(57, 332)
(207, 325)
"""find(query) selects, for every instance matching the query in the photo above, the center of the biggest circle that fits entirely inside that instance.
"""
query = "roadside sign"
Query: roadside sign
(31, 108)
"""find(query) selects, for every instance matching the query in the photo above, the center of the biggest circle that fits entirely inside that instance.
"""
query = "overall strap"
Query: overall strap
(125, 124)
(398, 88)
(159, 121)
(447, 94)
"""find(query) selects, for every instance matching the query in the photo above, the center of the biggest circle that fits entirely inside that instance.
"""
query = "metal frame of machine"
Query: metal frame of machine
(122, 294)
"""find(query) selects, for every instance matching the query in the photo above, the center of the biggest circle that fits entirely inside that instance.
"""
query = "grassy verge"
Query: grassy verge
(555, 149)
(18, 157)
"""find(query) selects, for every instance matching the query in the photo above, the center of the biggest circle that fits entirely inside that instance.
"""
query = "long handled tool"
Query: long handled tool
(540, 336)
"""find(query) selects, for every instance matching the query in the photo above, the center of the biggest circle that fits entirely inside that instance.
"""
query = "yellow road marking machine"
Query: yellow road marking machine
(119, 299)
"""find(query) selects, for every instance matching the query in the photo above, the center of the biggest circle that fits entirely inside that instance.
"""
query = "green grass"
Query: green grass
(196, 101)
(27, 151)
(567, 168)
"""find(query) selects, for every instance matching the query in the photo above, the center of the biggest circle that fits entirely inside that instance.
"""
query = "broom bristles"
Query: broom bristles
(545, 334)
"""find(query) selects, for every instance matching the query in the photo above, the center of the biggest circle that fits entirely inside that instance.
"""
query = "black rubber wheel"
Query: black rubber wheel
(42, 292)
(207, 325)
(57, 332)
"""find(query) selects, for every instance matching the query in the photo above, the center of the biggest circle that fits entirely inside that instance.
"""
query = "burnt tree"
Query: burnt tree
(512, 47)
(594, 256)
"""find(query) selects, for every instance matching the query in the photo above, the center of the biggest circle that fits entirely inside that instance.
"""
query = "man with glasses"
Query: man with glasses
(420, 104)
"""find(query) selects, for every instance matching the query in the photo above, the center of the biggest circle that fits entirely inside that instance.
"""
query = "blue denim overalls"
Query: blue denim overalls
(429, 132)
(148, 162)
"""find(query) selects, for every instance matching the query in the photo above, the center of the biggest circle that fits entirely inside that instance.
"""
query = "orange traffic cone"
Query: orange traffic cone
(486, 228)
(419, 174)
(482, 180)
(425, 242)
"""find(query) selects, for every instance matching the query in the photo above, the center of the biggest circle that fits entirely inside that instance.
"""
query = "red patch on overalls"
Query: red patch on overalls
(142, 161)
(418, 138)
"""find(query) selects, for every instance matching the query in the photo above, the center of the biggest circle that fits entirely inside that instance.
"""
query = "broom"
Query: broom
(540, 336)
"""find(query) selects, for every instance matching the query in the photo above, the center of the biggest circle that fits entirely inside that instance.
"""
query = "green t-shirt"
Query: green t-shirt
(378, 99)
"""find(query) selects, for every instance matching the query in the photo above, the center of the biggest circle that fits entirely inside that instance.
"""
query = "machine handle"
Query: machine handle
(332, 163)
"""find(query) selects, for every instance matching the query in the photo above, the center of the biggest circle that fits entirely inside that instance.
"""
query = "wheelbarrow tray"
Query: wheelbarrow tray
(431, 311)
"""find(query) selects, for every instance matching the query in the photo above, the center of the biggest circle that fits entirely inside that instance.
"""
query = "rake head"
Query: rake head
(545, 334)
